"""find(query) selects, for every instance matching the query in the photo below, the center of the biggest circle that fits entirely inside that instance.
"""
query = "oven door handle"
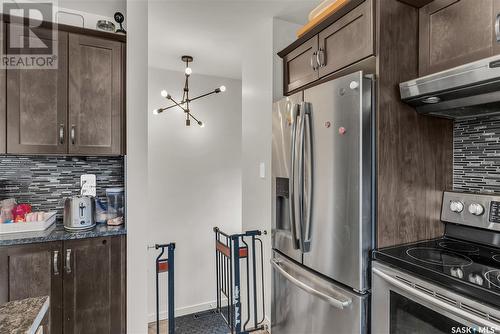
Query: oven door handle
(434, 301)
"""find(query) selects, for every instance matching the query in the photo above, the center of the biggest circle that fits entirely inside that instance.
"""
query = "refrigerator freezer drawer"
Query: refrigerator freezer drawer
(305, 303)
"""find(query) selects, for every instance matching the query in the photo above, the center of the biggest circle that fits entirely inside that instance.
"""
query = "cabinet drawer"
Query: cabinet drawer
(348, 40)
(456, 32)
(300, 66)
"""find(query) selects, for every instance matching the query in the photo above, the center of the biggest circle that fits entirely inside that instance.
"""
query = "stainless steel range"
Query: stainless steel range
(322, 231)
(446, 285)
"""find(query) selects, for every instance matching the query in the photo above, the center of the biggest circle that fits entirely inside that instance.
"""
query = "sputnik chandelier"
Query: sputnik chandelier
(184, 104)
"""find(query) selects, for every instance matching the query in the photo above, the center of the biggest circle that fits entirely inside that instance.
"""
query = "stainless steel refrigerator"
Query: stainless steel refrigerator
(322, 208)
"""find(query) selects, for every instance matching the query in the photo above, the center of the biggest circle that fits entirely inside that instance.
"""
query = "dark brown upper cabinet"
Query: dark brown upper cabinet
(94, 285)
(76, 109)
(300, 65)
(346, 41)
(416, 3)
(32, 271)
(95, 95)
(37, 101)
(456, 32)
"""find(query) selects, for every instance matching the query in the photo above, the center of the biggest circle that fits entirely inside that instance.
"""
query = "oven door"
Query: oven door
(404, 304)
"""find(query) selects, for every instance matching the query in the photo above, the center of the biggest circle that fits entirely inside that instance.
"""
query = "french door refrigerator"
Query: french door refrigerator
(322, 208)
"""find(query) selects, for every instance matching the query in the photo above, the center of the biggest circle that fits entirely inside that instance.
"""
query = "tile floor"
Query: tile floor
(209, 323)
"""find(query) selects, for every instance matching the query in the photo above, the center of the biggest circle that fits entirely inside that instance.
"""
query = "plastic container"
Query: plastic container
(6, 207)
(101, 215)
(116, 202)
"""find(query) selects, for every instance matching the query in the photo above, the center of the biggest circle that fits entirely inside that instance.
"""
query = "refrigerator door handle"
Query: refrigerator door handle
(306, 175)
(334, 298)
(291, 182)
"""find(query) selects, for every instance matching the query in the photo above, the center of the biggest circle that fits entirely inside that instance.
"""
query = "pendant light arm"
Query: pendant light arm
(175, 104)
(217, 90)
(191, 115)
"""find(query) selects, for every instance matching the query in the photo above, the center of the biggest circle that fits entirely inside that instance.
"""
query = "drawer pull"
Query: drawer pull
(61, 134)
(73, 134)
(56, 262)
(497, 27)
(68, 261)
(314, 61)
(320, 58)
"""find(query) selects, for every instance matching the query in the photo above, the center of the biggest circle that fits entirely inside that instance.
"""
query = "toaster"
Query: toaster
(79, 213)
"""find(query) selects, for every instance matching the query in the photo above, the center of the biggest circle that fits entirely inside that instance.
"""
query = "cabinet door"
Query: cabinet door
(95, 103)
(94, 286)
(300, 66)
(37, 101)
(347, 41)
(455, 32)
(3, 102)
(32, 271)
(496, 24)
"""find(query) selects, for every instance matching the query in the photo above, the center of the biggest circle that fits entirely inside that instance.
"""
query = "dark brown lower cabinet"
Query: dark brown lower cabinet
(32, 271)
(84, 278)
(93, 287)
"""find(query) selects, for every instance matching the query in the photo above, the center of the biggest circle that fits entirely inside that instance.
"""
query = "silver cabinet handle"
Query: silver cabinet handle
(497, 27)
(68, 261)
(314, 61)
(73, 134)
(305, 176)
(56, 263)
(61, 134)
(339, 301)
(432, 300)
(320, 57)
(291, 181)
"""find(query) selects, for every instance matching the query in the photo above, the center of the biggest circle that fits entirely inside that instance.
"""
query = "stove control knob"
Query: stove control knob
(456, 206)
(457, 272)
(476, 279)
(476, 209)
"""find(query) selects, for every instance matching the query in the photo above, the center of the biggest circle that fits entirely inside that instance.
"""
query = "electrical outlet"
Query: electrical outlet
(88, 184)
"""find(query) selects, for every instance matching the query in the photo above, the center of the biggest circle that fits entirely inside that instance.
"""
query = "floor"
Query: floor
(200, 323)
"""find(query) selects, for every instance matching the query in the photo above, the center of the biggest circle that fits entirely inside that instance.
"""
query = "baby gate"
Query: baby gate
(234, 253)
(165, 265)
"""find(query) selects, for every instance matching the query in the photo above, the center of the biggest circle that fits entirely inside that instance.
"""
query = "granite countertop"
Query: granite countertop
(23, 316)
(57, 232)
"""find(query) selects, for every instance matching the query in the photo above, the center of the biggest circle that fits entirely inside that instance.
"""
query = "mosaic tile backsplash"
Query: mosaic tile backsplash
(476, 155)
(45, 182)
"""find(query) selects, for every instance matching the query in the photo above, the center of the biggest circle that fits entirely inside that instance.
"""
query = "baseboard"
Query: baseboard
(185, 310)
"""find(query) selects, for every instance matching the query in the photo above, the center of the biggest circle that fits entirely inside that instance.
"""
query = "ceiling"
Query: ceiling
(211, 31)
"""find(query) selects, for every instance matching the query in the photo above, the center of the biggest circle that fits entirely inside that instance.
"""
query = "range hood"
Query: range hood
(465, 91)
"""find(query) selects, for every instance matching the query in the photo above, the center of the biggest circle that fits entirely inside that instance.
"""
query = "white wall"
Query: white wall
(283, 35)
(262, 84)
(257, 83)
(136, 166)
(194, 182)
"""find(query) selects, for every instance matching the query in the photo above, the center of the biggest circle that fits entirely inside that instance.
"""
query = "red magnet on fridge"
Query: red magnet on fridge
(342, 130)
